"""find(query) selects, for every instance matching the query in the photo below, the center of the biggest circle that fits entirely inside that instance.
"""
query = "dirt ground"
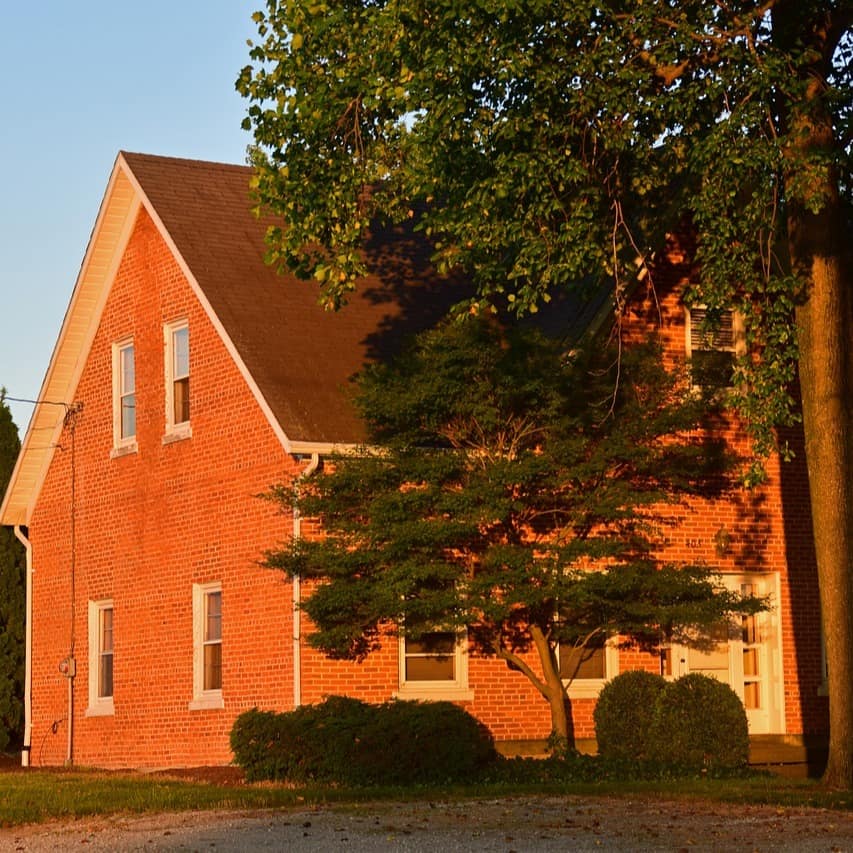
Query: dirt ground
(510, 825)
(506, 824)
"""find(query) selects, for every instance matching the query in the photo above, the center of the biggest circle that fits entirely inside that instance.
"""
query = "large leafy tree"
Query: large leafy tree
(511, 493)
(552, 142)
(12, 580)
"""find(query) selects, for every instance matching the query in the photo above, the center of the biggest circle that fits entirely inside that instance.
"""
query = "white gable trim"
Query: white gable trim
(112, 229)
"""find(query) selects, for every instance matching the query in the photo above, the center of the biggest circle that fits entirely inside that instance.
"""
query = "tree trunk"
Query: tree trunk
(826, 391)
(562, 730)
(825, 329)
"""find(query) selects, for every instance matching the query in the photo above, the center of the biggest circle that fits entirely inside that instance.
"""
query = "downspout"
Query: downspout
(297, 590)
(28, 649)
(68, 667)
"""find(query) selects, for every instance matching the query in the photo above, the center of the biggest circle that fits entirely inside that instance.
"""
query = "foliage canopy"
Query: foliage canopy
(551, 143)
(509, 491)
(547, 144)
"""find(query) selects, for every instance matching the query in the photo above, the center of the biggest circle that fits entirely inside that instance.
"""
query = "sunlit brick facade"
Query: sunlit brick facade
(146, 528)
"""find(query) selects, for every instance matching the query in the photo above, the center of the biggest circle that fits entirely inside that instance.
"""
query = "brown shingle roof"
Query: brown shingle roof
(298, 360)
(301, 357)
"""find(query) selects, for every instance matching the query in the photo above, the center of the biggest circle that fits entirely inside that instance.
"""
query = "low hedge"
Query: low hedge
(349, 742)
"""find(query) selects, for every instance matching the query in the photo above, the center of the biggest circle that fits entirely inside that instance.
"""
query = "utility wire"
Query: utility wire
(37, 402)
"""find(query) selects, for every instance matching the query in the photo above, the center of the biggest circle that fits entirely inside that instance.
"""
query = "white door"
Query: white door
(745, 654)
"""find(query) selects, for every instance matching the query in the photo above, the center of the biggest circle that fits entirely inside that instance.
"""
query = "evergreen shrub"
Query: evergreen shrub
(345, 741)
(700, 722)
(624, 716)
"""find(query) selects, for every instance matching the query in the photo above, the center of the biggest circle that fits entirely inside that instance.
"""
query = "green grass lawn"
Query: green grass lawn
(36, 795)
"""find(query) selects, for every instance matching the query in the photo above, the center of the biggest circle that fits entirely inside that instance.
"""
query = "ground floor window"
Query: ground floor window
(207, 646)
(583, 662)
(101, 655)
(434, 665)
(586, 667)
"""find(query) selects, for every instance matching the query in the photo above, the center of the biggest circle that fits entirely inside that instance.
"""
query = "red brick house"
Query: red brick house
(186, 380)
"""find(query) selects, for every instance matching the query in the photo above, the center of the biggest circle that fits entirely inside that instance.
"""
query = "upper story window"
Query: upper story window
(434, 665)
(124, 397)
(177, 339)
(713, 343)
(100, 658)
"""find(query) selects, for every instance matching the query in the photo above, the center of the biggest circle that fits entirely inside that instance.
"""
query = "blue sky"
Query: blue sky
(82, 81)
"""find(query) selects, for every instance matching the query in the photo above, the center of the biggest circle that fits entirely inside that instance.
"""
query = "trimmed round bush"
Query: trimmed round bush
(349, 742)
(624, 716)
(700, 722)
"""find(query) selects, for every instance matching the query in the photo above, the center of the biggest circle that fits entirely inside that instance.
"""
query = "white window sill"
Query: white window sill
(178, 433)
(435, 693)
(124, 450)
(207, 702)
(104, 708)
(586, 688)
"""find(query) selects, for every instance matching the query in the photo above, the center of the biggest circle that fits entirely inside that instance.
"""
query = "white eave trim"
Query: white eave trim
(322, 448)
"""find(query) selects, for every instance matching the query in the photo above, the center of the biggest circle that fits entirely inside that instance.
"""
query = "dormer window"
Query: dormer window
(714, 341)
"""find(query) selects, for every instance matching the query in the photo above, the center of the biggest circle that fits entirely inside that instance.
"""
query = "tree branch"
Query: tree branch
(669, 73)
(522, 666)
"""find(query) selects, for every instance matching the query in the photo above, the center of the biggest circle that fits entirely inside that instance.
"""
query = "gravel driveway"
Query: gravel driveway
(511, 824)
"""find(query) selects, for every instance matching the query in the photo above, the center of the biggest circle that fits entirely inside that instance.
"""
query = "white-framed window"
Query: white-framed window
(586, 668)
(207, 646)
(124, 398)
(177, 358)
(713, 344)
(434, 666)
(101, 657)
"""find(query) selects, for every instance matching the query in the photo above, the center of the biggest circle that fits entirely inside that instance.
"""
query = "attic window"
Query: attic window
(713, 343)
(177, 340)
(124, 398)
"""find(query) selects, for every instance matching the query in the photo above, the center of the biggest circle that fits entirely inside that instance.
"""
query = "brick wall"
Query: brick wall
(768, 528)
(148, 526)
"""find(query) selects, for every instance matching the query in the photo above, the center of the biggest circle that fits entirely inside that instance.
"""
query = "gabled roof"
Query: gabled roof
(296, 358)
